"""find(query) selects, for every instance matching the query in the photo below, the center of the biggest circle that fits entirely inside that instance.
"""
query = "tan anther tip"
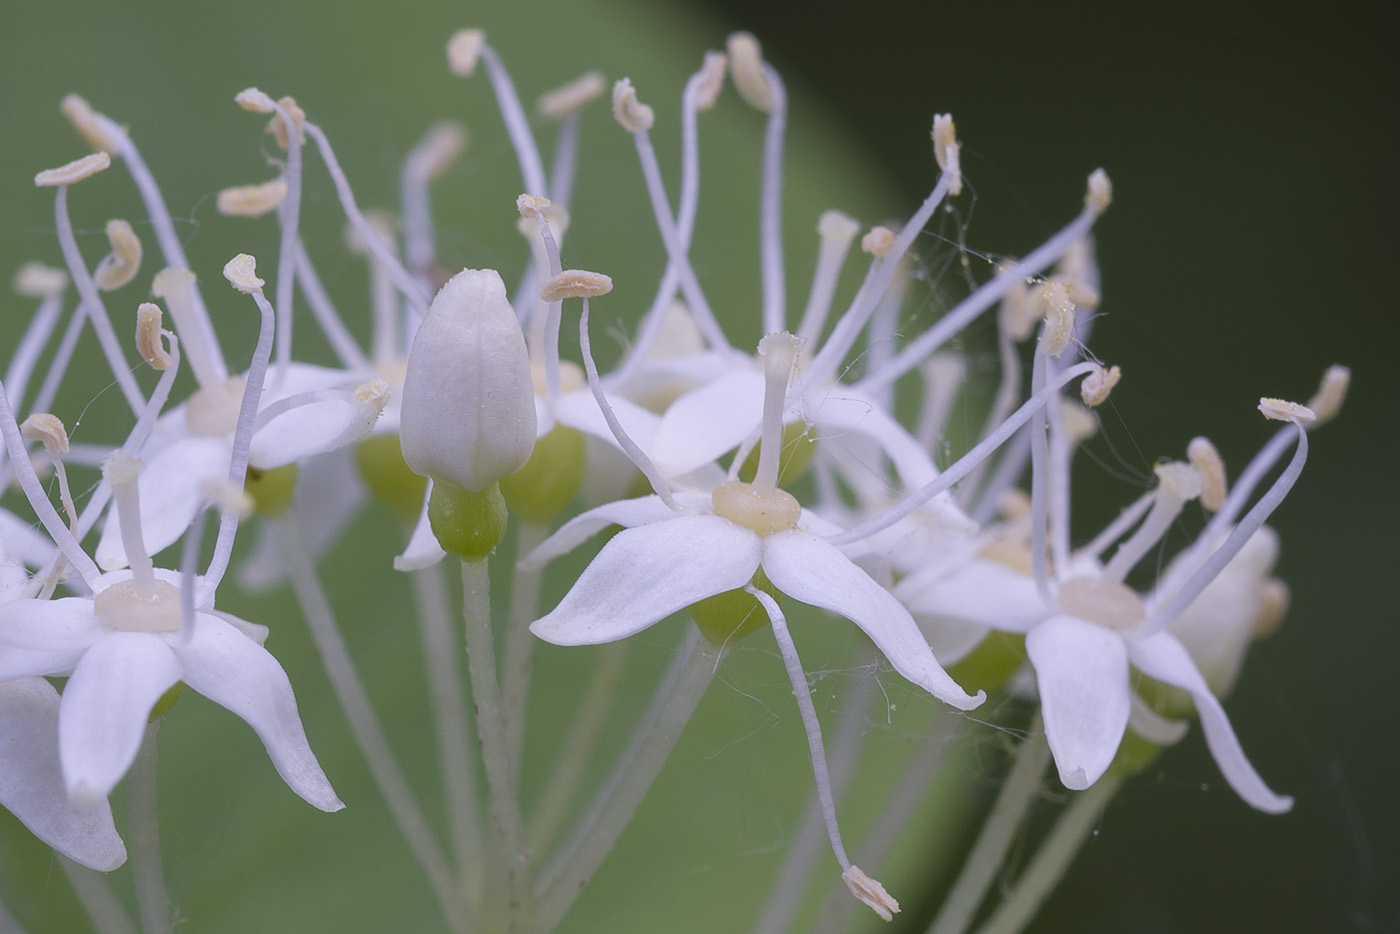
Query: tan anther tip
(575, 283)
(278, 127)
(120, 266)
(252, 200)
(559, 103)
(634, 116)
(1100, 192)
(871, 892)
(1058, 310)
(171, 282)
(48, 430)
(836, 225)
(1206, 459)
(746, 67)
(1281, 410)
(1098, 384)
(242, 274)
(532, 206)
(946, 150)
(437, 150)
(255, 101)
(100, 132)
(148, 332)
(711, 80)
(376, 392)
(75, 171)
(878, 241)
(1331, 393)
(35, 280)
(463, 51)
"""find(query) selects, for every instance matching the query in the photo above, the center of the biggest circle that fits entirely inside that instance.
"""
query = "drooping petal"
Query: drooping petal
(703, 424)
(1081, 670)
(647, 573)
(31, 780)
(628, 513)
(45, 637)
(315, 427)
(809, 569)
(423, 550)
(105, 707)
(1162, 657)
(1152, 726)
(238, 674)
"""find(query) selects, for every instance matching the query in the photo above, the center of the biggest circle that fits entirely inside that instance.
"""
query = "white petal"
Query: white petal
(984, 592)
(45, 637)
(1081, 670)
(647, 573)
(1162, 657)
(809, 569)
(580, 410)
(423, 549)
(170, 496)
(31, 780)
(701, 425)
(628, 513)
(1152, 726)
(327, 424)
(105, 707)
(329, 492)
(235, 672)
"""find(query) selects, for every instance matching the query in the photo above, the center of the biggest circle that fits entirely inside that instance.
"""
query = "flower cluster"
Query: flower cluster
(789, 476)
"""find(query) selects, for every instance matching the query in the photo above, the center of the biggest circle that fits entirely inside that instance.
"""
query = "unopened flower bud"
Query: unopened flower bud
(468, 408)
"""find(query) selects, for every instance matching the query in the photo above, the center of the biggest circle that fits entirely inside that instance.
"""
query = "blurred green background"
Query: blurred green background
(1248, 248)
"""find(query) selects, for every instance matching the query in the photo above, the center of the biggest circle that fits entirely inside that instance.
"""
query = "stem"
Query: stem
(988, 854)
(447, 696)
(633, 774)
(591, 714)
(507, 883)
(364, 725)
(520, 644)
(143, 836)
(103, 908)
(1054, 857)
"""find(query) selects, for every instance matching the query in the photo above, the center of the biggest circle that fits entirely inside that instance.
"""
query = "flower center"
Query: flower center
(765, 512)
(214, 412)
(123, 608)
(1111, 605)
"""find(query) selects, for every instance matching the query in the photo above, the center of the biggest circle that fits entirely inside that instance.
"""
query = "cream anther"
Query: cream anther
(870, 892)
(227, 498)
(48, 430)
(252, 200)
(634, 116)
(711, 80)
(1178, 480)
(463, 50)
(436, 152)
(278, 128)
(746, 66)
(148, 343)
(120, 468)
(877, 241)
(1100, 193)
(124, 608)
(100, 132)
(35, 280)
(75, 171)
(765, 513)
(255, 101)
(242, 274)
(559, 103)
(1098, 384)
(1273, 607)
(1079, 422)
(1330, 394)
(575, 283)
(120, 266)
(1207, 461)
(1113, 605)
(835, 225)
(1281, 410)
(946, 150)
(532, 206)
(1053, 298)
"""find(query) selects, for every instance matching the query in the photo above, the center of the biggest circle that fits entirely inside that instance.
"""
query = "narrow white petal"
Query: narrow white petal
(580, 410)
(984, 592)
(105, 707)
(236, 673)
(1081, 670)
(327, 424)
(647, 573)
(809, 569)
(1162, 657)
(31, 780)
(423, 550)
(703, 424)
(1152, 726)
(628, 513)
(45, 637)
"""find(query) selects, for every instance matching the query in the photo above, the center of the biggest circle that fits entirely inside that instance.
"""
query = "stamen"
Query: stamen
(148, 331)
(122, 472)
(288, 113)
(73, 172)
(1098, 384)
(175, 285)
(1059, 318)
(878, 242)
(1331, 393)
(945, 150)
(383, 297)
(779, 352)
(121, 265)
(242, 273)
(1178, 483)
(101, 132)
(464, 50)
(428, 161)
(746, 66)
(634, 116)
(711, 80)
(837, 231)
(1281, 410)
(49, 431)
(575, 283)
(35, 280)
(1207, 461)
(559, 103)
(252, 200)
(871, 892)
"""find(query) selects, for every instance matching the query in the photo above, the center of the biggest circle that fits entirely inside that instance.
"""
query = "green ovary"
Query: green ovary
(733, 614)
(539, 491)
(271, 490)
(390, 481)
